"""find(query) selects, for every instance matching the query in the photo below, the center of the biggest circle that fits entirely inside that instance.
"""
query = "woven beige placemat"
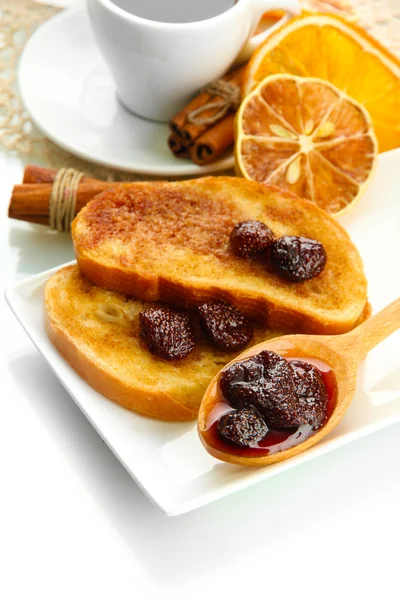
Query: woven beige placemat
(18, 20)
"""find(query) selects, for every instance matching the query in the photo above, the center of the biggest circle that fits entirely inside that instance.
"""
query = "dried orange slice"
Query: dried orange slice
(331, 48)
(305, 136)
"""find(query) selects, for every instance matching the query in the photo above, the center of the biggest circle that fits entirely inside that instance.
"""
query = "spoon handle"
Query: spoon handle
(373, 331)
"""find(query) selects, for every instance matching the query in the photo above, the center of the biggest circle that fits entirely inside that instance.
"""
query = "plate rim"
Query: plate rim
(190, 169)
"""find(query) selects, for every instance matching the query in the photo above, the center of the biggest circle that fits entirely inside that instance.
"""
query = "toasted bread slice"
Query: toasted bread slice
(170, 241)
(97, 331)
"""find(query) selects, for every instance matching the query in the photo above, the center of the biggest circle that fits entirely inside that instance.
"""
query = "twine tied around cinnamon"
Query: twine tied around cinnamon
(63, 199)
(229, 97)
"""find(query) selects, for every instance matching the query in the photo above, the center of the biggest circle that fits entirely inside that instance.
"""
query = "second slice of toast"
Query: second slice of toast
(98, 333)
(169, 241)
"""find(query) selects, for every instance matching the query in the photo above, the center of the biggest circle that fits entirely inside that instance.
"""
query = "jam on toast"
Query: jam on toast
(98, 332)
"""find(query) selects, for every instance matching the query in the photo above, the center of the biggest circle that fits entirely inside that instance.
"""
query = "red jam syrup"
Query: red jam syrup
(275, 440)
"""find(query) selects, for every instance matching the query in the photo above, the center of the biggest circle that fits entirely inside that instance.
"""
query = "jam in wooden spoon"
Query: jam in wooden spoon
(282, 396)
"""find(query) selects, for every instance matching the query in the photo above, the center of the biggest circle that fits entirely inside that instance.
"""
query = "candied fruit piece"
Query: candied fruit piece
(168, 333)
(264, 382)
(311, 392)
(297, 258)
(251, 238)
(243, 427)
(227, 327)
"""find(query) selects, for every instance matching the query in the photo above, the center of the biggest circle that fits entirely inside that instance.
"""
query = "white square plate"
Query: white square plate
(167, 460)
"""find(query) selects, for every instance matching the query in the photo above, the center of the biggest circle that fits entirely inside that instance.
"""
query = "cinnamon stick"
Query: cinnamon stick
(30, 201)
(35, 174)
(189, 132)
(178, 146)
(209, 146)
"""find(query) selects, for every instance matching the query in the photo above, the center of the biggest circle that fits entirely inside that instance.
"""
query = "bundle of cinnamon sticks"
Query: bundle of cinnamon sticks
(204, 143)
(30, 200)
(207, 137)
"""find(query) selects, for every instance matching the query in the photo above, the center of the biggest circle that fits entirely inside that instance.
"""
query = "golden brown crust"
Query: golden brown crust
(159, 405)
(97, 332)
(150, 240)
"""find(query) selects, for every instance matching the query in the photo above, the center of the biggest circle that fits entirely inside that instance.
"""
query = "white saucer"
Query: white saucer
(67, 89)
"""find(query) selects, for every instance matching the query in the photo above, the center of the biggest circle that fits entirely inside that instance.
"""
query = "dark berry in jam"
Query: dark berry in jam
(226, 326)
(251, 239)
(168, 333)
(264, 382)
(243, 427)
(311, 392)
(297, 258)
(315, 391)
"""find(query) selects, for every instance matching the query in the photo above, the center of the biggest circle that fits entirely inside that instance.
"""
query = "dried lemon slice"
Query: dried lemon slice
(331, 48)
(305, 136)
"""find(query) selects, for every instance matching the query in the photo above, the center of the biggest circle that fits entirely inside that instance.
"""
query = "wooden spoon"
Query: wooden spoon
(342, 353)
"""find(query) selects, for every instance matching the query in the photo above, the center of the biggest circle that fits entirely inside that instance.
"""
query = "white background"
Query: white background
(74, 525)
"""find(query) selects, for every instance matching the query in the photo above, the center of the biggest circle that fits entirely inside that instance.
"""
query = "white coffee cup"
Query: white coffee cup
(157, 67)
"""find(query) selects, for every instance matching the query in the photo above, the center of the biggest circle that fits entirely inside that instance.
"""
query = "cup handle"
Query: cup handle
(292, 7)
